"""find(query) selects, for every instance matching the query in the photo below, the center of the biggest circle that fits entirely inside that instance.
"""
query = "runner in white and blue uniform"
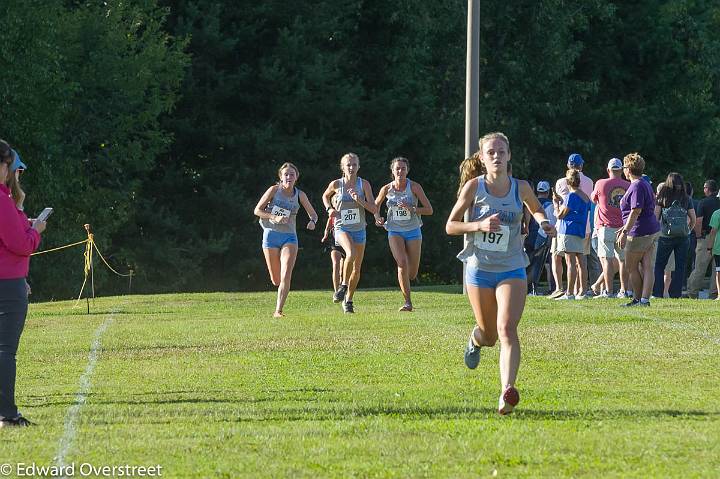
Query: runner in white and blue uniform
(277, 210)
(495, 278)
(347, 199)
(403, 223)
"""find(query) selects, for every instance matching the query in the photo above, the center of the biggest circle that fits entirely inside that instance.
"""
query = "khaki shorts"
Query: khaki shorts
(571, 244)
(641, 244)
(554, 248)
(587, 244)
(607, 246)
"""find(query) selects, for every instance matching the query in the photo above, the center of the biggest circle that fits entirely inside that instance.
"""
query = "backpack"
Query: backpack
(674, 221)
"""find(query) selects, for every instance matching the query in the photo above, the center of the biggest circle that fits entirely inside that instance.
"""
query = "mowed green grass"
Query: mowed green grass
(209, 385)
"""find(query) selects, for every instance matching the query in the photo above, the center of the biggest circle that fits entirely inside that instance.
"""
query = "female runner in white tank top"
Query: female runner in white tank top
(347, 199)
(403, 223)
(277, 210)
(495, 278)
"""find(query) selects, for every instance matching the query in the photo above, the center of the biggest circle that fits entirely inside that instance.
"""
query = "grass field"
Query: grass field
(209, 385)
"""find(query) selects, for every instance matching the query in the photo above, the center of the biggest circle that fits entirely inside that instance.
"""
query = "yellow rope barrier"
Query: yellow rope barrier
(59, 248)
(90, 245)
(110, 267)
(88, 265)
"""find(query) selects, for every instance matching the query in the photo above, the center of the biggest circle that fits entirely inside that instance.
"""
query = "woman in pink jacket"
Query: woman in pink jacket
(18, 239)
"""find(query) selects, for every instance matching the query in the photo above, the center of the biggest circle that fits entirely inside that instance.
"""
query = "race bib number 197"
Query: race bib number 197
(493, 241)
(350, 217)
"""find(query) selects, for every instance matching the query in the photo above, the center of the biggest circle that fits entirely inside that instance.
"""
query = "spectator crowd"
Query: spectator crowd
(620, 237)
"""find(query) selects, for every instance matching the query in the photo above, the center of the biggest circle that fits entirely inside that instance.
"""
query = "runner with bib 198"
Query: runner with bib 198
(495, 274)
(403, 223)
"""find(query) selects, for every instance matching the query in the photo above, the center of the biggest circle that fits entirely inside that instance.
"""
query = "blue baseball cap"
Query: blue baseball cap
(17, 163)
(543, 187)
(575, 160)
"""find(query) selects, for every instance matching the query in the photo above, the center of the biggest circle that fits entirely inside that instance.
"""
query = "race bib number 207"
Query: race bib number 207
(350, 216)
(493, 241)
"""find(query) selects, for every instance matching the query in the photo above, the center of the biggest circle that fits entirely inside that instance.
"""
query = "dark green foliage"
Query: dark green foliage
(87, 86)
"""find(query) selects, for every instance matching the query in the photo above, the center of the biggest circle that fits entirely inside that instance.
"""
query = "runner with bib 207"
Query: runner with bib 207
(346, 199)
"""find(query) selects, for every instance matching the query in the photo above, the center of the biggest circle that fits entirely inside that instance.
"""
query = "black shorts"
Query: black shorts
(331, 246)
(717, 262)
(337, 247)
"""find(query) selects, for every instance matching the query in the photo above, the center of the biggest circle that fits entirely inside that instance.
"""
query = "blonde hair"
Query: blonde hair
(470, 168)
(349, 156)
(493, 136)
(287, 164)
(573, 177)
(473, 166)
(635, 163)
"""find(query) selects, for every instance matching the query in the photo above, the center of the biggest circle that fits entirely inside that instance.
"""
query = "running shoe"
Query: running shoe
(340, 293)
(636, 302)
(508, 400)
(590, 293)
(472, 352)
(603, 295)
(407, 307)
(348, 307)
(564, 297)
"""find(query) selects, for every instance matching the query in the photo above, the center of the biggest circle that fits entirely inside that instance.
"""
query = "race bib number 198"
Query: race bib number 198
(400, 214)
(493, 241)
(351, 216)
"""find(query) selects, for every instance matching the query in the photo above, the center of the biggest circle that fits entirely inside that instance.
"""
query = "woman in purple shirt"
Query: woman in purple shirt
(639, 233)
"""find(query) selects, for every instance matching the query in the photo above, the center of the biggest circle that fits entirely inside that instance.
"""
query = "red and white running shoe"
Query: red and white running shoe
(508, 400)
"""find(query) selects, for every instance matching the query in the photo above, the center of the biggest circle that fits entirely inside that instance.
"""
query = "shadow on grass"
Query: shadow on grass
(106, 312)
(469, 413)
(431, 288)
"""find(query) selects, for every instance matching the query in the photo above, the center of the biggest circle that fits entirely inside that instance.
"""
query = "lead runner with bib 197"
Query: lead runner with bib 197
(495, 274)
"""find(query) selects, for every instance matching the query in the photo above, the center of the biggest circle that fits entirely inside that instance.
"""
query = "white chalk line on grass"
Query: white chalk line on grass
(66, 442)
(682, 327)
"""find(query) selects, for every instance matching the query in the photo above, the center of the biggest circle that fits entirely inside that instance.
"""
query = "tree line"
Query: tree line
(161, 122)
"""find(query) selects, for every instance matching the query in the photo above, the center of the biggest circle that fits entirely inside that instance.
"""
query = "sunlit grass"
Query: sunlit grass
(209, 385)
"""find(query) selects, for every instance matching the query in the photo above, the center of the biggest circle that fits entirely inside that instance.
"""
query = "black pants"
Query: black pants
(13, 309)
